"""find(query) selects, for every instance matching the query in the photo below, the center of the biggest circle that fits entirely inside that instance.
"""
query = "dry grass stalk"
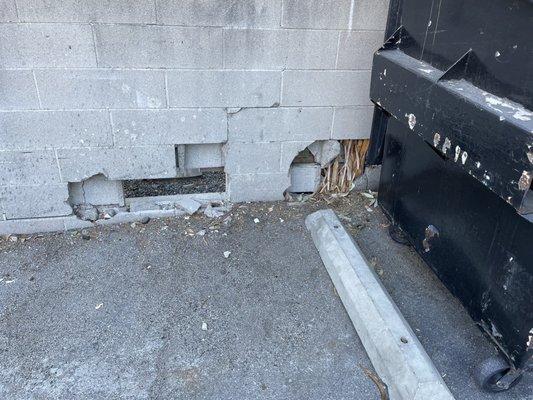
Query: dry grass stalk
(340, 174)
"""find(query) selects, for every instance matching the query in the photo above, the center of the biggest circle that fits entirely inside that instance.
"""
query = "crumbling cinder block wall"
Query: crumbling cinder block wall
(111, 88)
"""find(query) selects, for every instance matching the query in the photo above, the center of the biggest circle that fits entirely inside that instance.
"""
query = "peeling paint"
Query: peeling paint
(436, 139)
(525, 181)
(446, 145)
(519, 112)
(411, 119)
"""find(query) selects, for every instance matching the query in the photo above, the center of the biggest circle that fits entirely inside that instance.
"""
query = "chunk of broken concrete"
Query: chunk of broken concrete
(190, 206)
(325, 151)
(215, 212)
(86, 212)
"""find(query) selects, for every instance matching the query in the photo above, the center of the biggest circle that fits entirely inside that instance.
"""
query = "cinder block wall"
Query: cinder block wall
(111, 87)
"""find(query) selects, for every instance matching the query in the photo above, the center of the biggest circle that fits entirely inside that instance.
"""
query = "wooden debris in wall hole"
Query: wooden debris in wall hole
(340, 174)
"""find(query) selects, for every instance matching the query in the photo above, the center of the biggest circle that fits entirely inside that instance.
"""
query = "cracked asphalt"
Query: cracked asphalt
(157, 311)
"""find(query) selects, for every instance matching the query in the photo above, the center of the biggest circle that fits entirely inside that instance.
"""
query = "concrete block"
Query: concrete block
(97, 191)
(18, 90)
(370, 15)
(32, 225)
(279, 49)
(325, 88)
(34, 201)
(279, 124)
(176, 126)
(253, 158)
(8, 11)
(305, 178)
(151, 46)
(117, 163)
(242, 13)
(318, 14)
(32, 130)
(352, 122)
(190, 206)
(356, 49)
(101, 89)
(289, 151)
(223, 88)
(204, 156)
(258, 187)
(396, 353)
(28, 168)
(121, 11)
(46, 45)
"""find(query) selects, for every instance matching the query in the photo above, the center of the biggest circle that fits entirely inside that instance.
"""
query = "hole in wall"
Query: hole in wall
(304, 173)
(210, 181)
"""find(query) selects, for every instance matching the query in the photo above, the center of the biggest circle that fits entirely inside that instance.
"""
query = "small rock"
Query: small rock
(256, 220)
(85, 234)
(201, 232)
(190, 206)
(145, 220)
(13, 238)
(204, 326)
(227, 254)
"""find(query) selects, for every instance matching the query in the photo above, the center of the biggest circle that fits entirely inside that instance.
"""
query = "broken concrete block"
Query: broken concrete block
(96, 190)
(305, 178)
(325, 151)
(86, 212)
(190, 206)
(289, 151)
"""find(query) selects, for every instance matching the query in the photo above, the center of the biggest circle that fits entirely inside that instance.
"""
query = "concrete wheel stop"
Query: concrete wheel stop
(394, 350)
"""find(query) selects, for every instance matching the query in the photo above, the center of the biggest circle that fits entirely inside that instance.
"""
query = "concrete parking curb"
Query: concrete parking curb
(396, 354)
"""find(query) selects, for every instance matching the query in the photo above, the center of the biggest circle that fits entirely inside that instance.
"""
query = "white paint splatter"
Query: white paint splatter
(436, 139)
(457, 153)
(464, 156)
(477, 164)
(411, 120)
(497, 54)
(446, 145)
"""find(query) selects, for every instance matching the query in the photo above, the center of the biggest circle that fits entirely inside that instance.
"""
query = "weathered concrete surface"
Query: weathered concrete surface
(275, 328)
(120, 316)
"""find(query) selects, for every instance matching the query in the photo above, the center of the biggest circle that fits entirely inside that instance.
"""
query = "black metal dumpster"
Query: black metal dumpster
(453, 88)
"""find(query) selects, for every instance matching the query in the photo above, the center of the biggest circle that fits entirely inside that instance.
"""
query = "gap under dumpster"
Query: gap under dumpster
(454, 86)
